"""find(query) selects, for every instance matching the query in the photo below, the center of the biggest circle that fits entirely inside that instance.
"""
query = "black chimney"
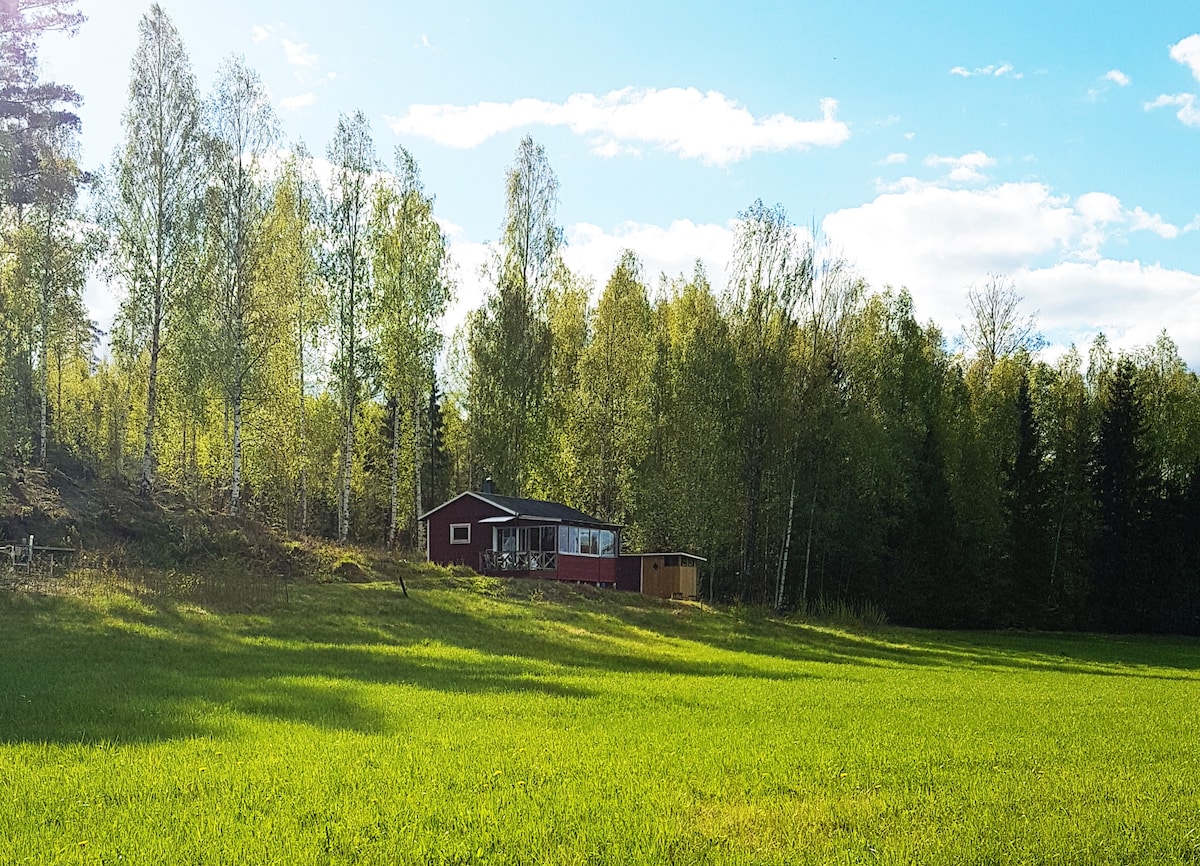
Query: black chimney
(489, 486)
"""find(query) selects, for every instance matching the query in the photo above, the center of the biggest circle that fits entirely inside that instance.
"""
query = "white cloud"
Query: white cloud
(1113, 76)
(298, 54)
(937, 241)
(259, 34)
(994, 70)
(1187, 52)
(1189, 111)
(673, 250)
(1142, 221)
(1100, 208)
(963, 169)
(471, 288)
(706, 126)
(894, 159)
(592, 252)
(609, 148)
(1130, 301)
(294, 103)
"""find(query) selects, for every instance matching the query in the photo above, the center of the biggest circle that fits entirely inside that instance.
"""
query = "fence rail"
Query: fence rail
(492, 561)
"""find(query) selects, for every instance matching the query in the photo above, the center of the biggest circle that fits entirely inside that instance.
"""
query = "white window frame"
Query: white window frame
(454, 526)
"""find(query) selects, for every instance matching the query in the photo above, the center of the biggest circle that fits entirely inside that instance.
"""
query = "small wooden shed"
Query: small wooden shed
(662, 575)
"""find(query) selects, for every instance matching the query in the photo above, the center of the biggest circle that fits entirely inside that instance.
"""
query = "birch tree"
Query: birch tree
(614, 395)
(347, 267)
(59, 260)
(510, 340)
(243, 133)
(767, 281)
(153, 205)
(996, 329)
(293, 244)
(409, 270)
(36, 119)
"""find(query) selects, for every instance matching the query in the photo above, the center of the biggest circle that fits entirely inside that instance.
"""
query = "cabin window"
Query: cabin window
(587, 542)
(526, 538)
(460, 533)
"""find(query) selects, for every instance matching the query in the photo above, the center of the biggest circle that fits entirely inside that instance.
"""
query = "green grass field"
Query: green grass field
(479, 722)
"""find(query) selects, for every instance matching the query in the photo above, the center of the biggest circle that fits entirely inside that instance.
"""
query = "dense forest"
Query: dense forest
(278, 355)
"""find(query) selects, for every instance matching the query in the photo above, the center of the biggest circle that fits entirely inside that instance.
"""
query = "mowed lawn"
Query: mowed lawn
(477, 722)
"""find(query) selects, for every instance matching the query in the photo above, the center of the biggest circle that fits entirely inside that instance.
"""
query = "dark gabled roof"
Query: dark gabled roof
(533, 509)
(541, 510)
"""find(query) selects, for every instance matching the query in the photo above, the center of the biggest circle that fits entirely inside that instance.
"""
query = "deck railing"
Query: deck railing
(491, 561)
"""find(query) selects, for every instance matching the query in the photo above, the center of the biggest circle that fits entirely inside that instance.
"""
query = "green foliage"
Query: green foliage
(510, 340)
(152, 206)
(611, 419)
(347, 270)
(278, 351)
(409, 264)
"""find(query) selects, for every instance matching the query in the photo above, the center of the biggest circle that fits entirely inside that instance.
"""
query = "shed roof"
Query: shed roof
(668, 553)
(532, 509)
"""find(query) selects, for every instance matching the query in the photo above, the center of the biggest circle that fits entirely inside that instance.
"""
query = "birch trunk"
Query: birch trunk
(235, 492)
(45, 347)
(303, 433)
(812, 519)
(394, 504)
(1062, 516)
(347, 466)
(146, 476)
(787, 547)
(418, 461)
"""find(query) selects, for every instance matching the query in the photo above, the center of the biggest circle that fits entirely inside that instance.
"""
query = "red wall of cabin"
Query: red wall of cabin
(588, 569)
(467, 509)
(629, 573)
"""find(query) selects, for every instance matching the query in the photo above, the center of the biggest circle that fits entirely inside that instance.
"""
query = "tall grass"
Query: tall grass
(489, 722)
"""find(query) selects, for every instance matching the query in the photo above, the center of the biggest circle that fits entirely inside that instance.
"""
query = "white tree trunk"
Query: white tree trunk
(45, 398)
(146, 476)
(787, 547)
(394, 504)
(235, 492)
(812, 519)
(418, 460)
(347, 468)
(303, 433)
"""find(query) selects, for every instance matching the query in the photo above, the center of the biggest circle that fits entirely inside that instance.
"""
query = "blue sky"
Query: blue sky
(935, 143)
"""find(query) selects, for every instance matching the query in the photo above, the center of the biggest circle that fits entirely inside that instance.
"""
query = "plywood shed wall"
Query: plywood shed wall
(670, 576)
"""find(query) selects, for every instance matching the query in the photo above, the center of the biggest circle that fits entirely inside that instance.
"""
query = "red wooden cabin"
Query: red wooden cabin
(503, 535)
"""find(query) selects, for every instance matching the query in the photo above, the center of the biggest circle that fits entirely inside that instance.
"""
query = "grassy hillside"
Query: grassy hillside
(485, 722)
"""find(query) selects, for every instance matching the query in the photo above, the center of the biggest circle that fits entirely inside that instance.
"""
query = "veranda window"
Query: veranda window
(587, 542)
(513, 539)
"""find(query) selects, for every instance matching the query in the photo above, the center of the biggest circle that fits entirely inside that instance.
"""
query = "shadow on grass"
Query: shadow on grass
(115, 669)
(76, 672)
(750, 634)
(1084, 654)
